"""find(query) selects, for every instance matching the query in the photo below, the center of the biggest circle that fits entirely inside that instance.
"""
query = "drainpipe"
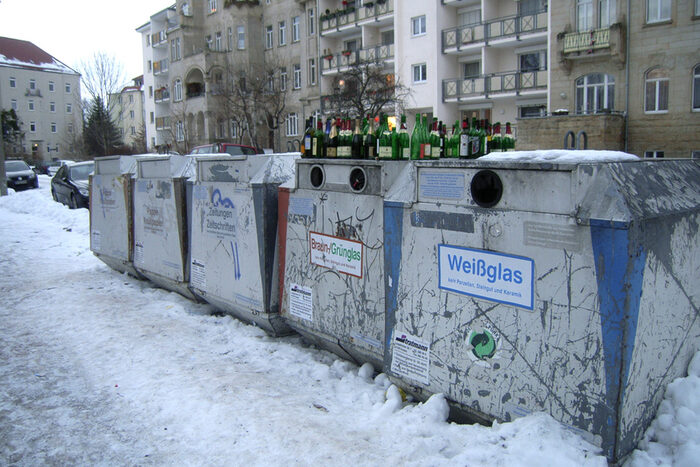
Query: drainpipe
(627, 75)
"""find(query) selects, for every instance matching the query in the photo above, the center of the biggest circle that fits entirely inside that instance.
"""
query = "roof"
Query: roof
(16, 53)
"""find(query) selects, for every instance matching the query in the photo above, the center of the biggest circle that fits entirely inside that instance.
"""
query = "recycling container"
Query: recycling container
(161, 251)
(233, 234)
(331, 233)
(111, 212)
(564, 287)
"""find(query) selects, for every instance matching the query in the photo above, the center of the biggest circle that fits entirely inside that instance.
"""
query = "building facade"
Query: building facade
(45, 95)
(127, 111)
(628, 78)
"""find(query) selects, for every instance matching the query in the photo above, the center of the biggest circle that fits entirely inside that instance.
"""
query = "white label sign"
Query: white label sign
(340, 254)
(198, 275)
(484, 274)
(301, 302)
(138, 253)
(96, 240)
(410, 357)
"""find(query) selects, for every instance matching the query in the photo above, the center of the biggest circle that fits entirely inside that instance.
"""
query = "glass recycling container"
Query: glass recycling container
(331, 232)
(161, 251)
(529, 284)
(233, 234)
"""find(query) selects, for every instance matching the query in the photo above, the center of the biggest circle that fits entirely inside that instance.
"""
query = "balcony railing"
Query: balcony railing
(499, 28)
(492, 85)
(162, 123)
(158, 38)
(588, 40)
(160, 66)
(377, 54)
(355, 15)
(161, 95)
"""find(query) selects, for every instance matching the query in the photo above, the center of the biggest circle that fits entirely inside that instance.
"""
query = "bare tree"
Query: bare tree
(102, 75)
(365, 88)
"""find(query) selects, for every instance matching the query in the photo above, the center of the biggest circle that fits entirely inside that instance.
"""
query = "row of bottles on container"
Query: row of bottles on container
(340, 140)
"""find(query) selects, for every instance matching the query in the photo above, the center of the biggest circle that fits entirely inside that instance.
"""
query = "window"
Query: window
(51, 86)
(67, 88)
(13, 82)
(295, 29)
(32, 127)
(282, 33)
(240, 34)
(606, 13)
(470, 17)
(595, 92)
(177, 90)
(531, 7)
(32, 85)
(418, 26)
(268, 36)
(297, 76)
(52, 106)
(584, 15)
(132, 130)
(53, 127)
(210, 42)
(270, 85)
(131, 98)
(533, 61)
(69, 128)
(388, 37)
(149, 65)
(69, 108)
(234, 129)
(312, 71)
(420, 73)
(695, 154)
(229, 38)
(529, 111)
(312, 22)
(213, 4)
(131, 114)
(292, 124)
(654, 154)
(656, 91)
(150, 91)
(13, 104)
(180, 131)
(153, 117)
(697, 13)
(175, 49)
(658, 10)
(471, 69)
(30, 105)
(696, 87)
(217, 41)
(283, 79)
(119, 99)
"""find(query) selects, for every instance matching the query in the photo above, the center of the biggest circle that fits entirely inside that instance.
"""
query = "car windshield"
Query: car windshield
(15, 166)
(240, 150)
(81, 172)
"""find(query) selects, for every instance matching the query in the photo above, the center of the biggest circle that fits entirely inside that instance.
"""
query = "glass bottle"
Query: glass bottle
(495, 145)
(384, 148)
(308, 150)
(404, 140)
(474, 140)
(425, 139)
(508, 142)
(464, 141)
(370, 140)
(332, 149)
(344, 141)
(415, 139)
(356, 142)
(317, 144)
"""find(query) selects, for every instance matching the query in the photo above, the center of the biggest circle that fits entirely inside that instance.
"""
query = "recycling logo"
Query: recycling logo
(483, 344)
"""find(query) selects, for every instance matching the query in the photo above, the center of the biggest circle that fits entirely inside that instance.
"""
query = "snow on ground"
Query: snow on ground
(99, 368)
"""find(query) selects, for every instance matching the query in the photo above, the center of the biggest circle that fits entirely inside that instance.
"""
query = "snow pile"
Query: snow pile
(101, 368)
(560, 156)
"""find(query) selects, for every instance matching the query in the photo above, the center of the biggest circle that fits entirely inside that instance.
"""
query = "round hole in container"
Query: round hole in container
(358, 179)
(486, 188)
(317, 176)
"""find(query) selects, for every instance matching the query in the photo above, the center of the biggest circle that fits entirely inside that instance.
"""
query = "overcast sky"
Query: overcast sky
(73, 30)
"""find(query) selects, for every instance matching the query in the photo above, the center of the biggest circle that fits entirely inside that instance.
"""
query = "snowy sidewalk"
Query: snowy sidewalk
(99, 368)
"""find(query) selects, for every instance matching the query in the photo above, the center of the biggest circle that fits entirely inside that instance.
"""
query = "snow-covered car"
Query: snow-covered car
(70, 184)
(20, 176)
(53, 166)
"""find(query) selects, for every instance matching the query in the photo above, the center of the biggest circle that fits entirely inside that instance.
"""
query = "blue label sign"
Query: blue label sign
(484, 274)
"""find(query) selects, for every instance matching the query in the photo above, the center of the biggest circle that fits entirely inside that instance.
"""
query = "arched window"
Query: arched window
(656, 90)
(594, 93)
(696, 87)
(177, 90)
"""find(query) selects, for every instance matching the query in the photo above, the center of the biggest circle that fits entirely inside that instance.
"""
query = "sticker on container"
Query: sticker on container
(96, 240)
(138, 253)
(411, 358)
(336, 253)
(198, 275)
(484, 274)
(441, 185)
(153, 220)
(301, 302)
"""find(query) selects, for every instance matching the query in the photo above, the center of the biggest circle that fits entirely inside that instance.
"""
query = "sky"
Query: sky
(72, 31)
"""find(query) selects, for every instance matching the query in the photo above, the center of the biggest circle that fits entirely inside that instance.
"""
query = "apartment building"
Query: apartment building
(127, 111)
(45, 94)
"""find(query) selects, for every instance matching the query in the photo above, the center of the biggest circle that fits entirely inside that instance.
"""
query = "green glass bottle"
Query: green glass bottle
(496, 137)
(415, 140)
(317, 143)
(384, 148)
(332, 149)
(425, 139)
(404, 140)
(356, 142)
(370, 141)
(474, 140)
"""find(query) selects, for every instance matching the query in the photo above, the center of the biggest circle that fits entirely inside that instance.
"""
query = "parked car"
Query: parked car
(20, 176)
(53, 166)
(229, 148)
(70, 184)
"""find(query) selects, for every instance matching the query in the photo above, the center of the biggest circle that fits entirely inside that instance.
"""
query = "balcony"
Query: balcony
(495, 85)
(160, 67)
(590, 44)
(517, 28)
(161, 95)
(378, 12)
(159, 38)
(162, 123)
(335, 63)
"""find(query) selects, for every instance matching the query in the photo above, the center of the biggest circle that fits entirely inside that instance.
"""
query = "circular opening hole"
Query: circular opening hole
(358, 179)
(317, 176)
(486, 188)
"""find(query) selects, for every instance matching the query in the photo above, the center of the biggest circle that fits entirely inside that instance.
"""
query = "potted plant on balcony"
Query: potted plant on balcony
(328, 57)
(368, 5)
(346, 53)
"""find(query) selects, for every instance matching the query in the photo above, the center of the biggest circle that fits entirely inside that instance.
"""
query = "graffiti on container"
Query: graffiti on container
(163, 190)
(236, 263)
(221, 215)
(153, 220)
